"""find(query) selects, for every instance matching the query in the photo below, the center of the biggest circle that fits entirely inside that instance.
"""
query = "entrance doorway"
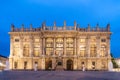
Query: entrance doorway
(69, 64)
(59, 65)
(48, 65)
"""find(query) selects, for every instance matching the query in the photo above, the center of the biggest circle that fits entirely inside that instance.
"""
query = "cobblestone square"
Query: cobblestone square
(59, 75)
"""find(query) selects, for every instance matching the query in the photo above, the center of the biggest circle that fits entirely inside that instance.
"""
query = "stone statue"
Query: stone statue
(110, 66)
(35, 66)
(83, 67)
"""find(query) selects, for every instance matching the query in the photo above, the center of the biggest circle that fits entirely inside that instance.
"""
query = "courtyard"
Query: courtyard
(59, 75)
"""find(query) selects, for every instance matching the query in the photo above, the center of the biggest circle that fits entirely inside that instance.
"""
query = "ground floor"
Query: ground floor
(54, 63)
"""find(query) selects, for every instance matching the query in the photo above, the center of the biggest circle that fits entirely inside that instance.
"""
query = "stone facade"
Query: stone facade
(70, 47)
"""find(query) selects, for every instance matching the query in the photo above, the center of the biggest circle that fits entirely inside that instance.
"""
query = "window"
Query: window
(93, 40)
(36, 50)
(82, 63)
(103, 50)
(49, 45)
(26, 50)
(16, 40)
(103, 40)
(36, 40)
(82, 40)
(49, 40)
(59, 40)
(82, 51)
(69, 40)
(93, 51)
(59, 45)
(36, 63)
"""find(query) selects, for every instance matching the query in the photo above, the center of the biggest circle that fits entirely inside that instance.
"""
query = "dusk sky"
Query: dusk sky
(34, 12)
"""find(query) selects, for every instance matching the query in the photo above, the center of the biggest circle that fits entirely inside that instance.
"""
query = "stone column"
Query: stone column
(11, 46)
(53, 63)
(75, 65)
(64, 52)
(98, 46)
(11, 52)
(64, 63)
(88, 46)
(53, 46)
(108, 46)
(44, 50)
(31, 46)
(11, 63)
(43, 63)
(21, 46)
(75, 46)
(40, 44)
(31, 52)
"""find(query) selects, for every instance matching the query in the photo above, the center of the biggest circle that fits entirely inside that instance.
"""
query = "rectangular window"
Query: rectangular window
(103, 40)
(36, 40)
(16, 40)
(82, 40)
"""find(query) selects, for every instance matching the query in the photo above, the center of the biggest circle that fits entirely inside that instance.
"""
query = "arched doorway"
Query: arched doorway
(69, 64)
(48, 64)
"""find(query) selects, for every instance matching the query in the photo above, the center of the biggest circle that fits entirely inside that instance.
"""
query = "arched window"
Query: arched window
(93, 51)
(103, 51)
(26, 50)
(59, 40)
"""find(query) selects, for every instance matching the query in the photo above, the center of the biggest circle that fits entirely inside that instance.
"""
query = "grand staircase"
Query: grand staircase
(59, 66)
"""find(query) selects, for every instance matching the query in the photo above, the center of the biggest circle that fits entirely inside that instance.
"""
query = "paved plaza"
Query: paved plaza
(59, 75)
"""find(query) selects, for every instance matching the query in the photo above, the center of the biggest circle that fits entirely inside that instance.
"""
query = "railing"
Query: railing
(50, 28)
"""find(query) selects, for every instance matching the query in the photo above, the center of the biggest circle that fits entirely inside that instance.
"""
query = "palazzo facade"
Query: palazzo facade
(54, 47)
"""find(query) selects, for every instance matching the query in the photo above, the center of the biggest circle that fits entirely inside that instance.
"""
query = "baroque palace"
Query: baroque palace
(65, 47)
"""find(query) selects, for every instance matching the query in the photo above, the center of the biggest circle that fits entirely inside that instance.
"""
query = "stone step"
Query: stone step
(59, 68)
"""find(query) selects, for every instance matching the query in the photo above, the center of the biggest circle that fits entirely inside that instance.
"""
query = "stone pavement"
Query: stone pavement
(59, 75)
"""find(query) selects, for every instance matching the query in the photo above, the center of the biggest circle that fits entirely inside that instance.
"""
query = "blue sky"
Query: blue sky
(36, 11)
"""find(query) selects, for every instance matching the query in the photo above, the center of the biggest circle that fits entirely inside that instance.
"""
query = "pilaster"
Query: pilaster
(98, 46)
(64, 52)
(21, 46)
(75, 46)
(43, 42)
(53, 46)
(53, 63)
(11, 46)
(31, 46)
(88, 46)
(108, 46)
(43, 63)
(75, 65)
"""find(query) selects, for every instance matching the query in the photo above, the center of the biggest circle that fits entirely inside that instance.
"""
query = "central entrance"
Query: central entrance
(59, 64)
(69, 64)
